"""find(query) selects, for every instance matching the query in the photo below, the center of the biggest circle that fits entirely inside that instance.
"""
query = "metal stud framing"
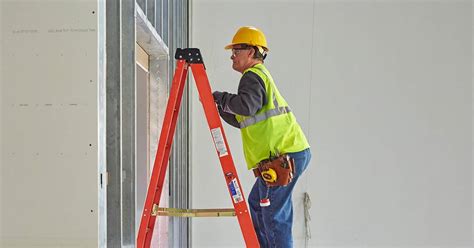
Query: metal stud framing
(170, 19)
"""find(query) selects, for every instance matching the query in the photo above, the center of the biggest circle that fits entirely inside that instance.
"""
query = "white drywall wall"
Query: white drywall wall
(49, 124)
(382, 89)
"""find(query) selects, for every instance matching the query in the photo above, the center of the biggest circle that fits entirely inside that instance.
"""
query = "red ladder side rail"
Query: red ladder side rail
(155, 186)
(225, 157)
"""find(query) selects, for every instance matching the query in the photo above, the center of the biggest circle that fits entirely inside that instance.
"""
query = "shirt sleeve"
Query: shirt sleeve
(228, 117)
(249, 99)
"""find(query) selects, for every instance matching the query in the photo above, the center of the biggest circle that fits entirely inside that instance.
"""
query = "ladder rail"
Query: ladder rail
(226, 161)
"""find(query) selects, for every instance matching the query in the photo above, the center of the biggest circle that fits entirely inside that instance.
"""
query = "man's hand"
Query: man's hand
(218, 97)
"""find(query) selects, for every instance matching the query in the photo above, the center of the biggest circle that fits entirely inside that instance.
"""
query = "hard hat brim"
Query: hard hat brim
(228, 47)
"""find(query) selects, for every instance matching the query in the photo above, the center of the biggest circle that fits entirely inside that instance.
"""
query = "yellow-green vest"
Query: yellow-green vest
(273, 128)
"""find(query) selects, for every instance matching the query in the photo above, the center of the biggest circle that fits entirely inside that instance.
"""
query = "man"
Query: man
(268, 128)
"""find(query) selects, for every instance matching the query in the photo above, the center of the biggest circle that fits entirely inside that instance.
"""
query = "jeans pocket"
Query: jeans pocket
(301, 160)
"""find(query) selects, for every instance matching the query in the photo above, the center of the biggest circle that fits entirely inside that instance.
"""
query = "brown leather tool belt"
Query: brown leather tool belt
(276, 171)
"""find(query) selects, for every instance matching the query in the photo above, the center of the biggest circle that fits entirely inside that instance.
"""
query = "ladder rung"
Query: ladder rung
(177, 212)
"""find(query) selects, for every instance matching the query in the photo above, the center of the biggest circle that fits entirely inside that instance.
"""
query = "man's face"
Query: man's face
(241, 58)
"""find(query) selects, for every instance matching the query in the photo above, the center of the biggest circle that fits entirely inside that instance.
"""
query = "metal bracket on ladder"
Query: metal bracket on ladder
(190, 55)
(191, 58)
(176, 212)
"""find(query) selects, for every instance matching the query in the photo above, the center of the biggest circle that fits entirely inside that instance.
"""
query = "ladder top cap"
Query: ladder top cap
(191, 55)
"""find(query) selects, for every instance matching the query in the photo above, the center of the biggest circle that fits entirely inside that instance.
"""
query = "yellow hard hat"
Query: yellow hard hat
(249, 35)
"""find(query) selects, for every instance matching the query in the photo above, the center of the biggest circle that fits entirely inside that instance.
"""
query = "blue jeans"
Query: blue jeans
(273, 223)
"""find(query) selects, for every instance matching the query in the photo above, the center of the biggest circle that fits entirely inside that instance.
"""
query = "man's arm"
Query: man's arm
(249, 99)
(228, 117)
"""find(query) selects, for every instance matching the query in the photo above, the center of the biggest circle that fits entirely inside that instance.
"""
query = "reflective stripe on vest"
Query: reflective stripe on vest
(267, 114)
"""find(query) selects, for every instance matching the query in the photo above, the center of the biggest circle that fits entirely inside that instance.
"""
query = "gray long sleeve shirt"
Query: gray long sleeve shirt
(250, 98)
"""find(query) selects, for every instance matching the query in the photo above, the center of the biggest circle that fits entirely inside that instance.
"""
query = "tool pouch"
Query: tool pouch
(276, 171)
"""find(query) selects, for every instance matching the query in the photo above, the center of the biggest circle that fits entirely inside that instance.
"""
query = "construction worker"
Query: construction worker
(268, 128)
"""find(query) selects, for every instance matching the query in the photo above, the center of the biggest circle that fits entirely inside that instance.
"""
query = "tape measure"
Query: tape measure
(269, 175)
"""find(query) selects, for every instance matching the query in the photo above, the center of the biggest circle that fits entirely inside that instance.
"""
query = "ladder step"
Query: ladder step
(178, 212)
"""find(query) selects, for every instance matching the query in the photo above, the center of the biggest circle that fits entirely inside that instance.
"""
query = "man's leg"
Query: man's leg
(256, 213)
(278, 217)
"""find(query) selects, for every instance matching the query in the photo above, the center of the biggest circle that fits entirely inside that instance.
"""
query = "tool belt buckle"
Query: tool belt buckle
(276, 171)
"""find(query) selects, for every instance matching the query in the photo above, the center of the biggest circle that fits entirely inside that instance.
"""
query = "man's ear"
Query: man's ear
(252, 52)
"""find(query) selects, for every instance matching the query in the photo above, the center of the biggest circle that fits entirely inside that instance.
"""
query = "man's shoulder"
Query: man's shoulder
(250, 75)
(252, 80)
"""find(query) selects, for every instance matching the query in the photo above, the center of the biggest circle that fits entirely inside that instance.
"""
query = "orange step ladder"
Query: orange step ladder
(191, 58)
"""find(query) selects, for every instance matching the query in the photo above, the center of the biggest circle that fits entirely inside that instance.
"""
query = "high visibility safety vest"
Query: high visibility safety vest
(273, 128)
